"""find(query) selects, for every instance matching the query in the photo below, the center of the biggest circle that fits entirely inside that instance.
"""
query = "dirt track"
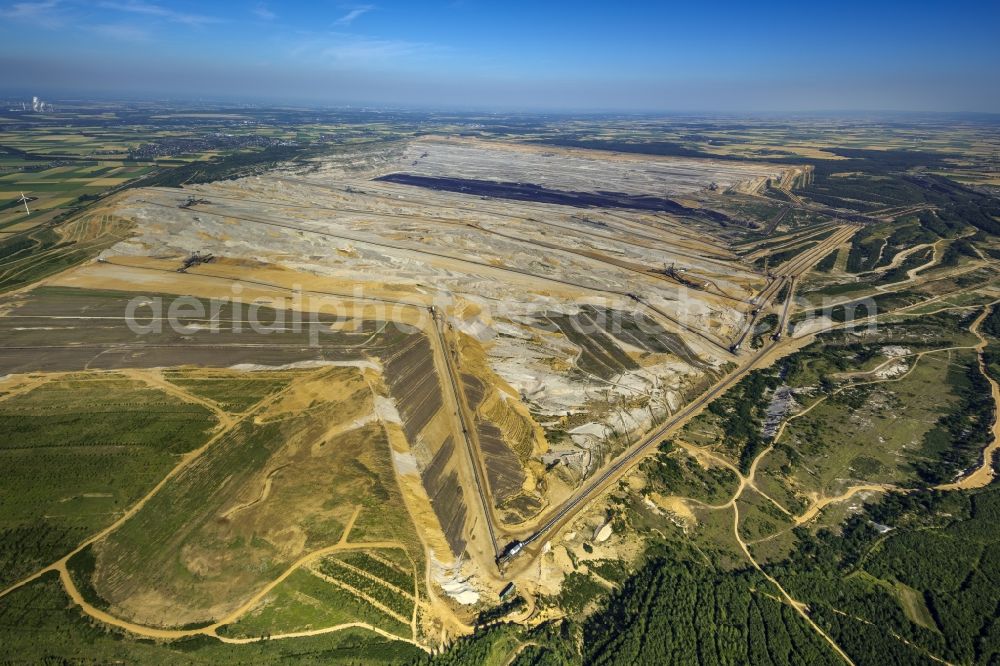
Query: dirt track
(985, 473)
(61, 565)
(599, 483)
(212, 629)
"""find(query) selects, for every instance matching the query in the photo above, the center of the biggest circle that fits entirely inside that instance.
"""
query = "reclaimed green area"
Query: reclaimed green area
(305, 601)
(734, 419)
(234, 391)
(678, 610)
(672, 471)
(908, 579)
(550, 644)
(79, 451)
(39, 624)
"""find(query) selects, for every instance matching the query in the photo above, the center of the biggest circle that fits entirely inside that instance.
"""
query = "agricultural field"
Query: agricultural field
(58, 187)
(343, 387)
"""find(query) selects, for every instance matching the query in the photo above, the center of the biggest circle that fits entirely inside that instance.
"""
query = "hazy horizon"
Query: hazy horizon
(581, 57)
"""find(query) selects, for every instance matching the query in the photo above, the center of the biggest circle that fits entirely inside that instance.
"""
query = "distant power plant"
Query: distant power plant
(37, 105)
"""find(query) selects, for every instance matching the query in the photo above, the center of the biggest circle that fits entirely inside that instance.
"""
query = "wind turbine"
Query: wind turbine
(25, 201)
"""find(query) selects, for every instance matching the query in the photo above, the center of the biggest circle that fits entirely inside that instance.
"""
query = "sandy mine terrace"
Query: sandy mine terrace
(502, 269)
(580, 170)
(538, 339)
(541, 293)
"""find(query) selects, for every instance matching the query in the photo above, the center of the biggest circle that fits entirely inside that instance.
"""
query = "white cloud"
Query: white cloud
(347, 50)
(122, 32)
(356, 12)
(262, 12)
(365, 49)
(43, 13)
(149, 9)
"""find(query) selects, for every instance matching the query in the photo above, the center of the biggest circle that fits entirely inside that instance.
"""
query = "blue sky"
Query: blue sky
(463, 54)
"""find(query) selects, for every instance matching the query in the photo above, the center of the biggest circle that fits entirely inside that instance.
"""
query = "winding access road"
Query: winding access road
(621, 465)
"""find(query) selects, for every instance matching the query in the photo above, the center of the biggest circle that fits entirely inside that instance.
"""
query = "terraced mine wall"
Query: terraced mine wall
(413, 382)
(506, 440)
(538, 194)
(503, 469)
(415, 386)
(595, 331)
(446, 495)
